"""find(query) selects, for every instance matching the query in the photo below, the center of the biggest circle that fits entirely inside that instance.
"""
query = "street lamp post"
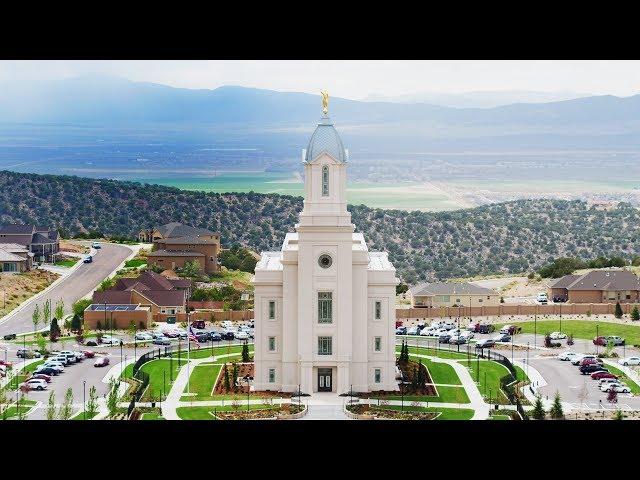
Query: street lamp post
(84, 399)
(246, 379)
(597, 340)
(535, 327)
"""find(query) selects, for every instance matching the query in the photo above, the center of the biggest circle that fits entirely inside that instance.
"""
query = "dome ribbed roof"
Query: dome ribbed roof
(325, 139)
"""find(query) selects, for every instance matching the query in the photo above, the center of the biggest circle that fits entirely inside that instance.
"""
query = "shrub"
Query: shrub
(538, 412)
(635, 314)
(556, 409)
(618, 312)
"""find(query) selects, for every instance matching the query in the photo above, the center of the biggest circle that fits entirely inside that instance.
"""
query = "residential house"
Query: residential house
(452, 294)
(165, 298)
(43, 242)
(598, 286)
(175, 244)
(15, 258)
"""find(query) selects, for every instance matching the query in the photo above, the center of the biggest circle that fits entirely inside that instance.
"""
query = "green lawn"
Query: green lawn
(585, 329)
(206, 351)
(441, 353)
(135, 263)
(159, 376)
(635, 388)
(489, 379)
(80, 416)
(206, 413)
(152, 416)
(445, 395)
(445, 413)
(202, 381)
(441, 373)
(66, 263)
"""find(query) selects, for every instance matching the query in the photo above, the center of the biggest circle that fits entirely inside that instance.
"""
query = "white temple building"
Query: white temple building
(324, 304)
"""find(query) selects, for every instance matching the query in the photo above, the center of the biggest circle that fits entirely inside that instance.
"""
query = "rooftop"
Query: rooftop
(600, 280)
(175, 253)
(325, 139)
(112, 308)
(176, 229)
(270, 261)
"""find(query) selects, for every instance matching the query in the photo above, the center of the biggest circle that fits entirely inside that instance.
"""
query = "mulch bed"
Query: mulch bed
(241, 414)
(391, 414)
(408, 369)
(243, 370)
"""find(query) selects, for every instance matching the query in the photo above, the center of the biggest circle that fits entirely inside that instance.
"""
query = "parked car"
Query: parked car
(87, 259)
(202, 336)
(10, 336)
(449, 326)
(413, 331)
(604, 341)
(590, 368)
(101, 362)
(586, 360)
(542, 298)
(71, 356)
(559, 299)
(485, 343)
(467, 334)
(96, 245)
(161, 340)
(199, 324)
(35, 384)
(472, 326)
(401, 331)
(26, 353)
(63, 359)
(91, 343)
(89, 353)
(215, 336)
(486, 328)
(457, 340)
(226, 324)
(3, 371)
(228, 335)
(242, 335)
(112, 341)
(601, 375)
(502, 337)
(557, 335)
(41, 376)
(444, 337)
(578, 358)
(144, 336)
(53, 364)
(602, 381)
(617, 387)
(567, 355)
(629, 361)
(427, 332)
(6, 364)
(511, 329)
(79, 355)
(46, 371)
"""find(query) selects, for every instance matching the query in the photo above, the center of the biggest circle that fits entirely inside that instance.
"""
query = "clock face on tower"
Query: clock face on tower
(325, 260)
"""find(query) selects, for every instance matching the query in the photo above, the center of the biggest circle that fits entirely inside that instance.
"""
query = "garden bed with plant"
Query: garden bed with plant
(391, 414)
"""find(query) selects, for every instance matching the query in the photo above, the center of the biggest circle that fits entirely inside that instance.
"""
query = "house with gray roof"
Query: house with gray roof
(452, 294)
(42, 242)
(598, 286)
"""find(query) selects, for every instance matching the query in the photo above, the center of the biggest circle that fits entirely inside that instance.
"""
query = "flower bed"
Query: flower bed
(376, 412)
(262, 414)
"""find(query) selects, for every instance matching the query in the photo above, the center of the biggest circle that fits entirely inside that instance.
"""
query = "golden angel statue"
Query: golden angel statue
(325, 101)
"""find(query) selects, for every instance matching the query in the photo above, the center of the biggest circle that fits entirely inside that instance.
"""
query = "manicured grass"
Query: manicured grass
(205, 351)
(441, 353)
(499, 417)
(445, 395)
(12, 411)
(80, 416)
(66, 263)
(135, 263)
(206, 413)
(441, 373)
(445, 413)
(202, 381)
(489, 379)
(585, 329)
(635, 388)
(152, 416)
(159, 375)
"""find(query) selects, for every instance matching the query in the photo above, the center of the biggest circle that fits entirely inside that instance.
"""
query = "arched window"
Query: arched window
(325, 181)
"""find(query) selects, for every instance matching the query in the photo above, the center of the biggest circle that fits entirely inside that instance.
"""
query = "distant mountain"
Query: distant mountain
(508, 237)
(480, 99)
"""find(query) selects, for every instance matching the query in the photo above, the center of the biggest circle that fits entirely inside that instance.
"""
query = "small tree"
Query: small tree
(556, 409)
(112, 399)
(67, 406)
(227, 383)
(41, 341)
(98, 325)
(131, 329)
(4, 404)
(618, 312)
(547, 340)
(59, 312)
(538, 412)
(618, 415)
(612, 396)
(76, 323)
(51, 407)
(92, 404)
(191, 269)
(234, 376)
(245, 352)
(35, 318)
(47, 312)
(635, 313)
(54, 330)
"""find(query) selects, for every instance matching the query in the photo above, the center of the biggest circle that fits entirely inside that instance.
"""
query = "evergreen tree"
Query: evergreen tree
(76, 324)
(556, 409)
(618, 415)
(227, 383)
(538, 412)
(47, 312)
(54, 330)
(618, 312)
(234, 376)
(635, 313)
(245, 352)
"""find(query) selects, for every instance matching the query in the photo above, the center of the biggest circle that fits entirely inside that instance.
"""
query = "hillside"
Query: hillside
(507, 237)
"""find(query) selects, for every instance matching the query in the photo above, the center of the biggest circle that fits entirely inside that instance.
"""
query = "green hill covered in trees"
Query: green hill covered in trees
(510, 237)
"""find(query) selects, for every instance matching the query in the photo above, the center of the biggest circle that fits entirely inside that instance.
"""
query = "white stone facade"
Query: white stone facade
(324, 305)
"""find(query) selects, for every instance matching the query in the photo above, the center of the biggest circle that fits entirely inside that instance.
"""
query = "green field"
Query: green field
(152, 416)
(441, 353)
(585, 329)
(402, 195)
(201, 382)
(160, 380)
(489, 378)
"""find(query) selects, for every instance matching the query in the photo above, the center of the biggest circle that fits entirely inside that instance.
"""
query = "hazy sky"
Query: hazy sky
(355, 79)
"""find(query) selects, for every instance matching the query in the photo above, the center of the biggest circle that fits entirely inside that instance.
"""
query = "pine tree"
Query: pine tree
(556, 409)
(234, 376)
(245, 352)
(538, 412)
(635, 314)
(54, 330)
(227, 384)
(618, 312)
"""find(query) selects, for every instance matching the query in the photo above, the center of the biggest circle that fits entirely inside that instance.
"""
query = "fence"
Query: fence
(507, 382)
(141, 377)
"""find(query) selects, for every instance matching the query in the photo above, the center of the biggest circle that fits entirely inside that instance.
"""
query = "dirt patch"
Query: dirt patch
(71, 246)
(18, 287)
(390, 414)
(244, 369)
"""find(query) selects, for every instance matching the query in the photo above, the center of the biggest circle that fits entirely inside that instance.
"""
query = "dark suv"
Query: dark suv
(592, 367)
(485, 328)
(202, 336)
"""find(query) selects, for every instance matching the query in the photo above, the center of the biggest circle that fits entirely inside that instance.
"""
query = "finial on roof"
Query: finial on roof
(325, 101)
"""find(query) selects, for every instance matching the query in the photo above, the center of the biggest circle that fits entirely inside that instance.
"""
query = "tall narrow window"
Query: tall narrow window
(272, 375)
(272, 344)
(377, 344)
(272, 310)
(325, 307)
(324, 346)
(377, 375)
(325, 181)
(378, 310)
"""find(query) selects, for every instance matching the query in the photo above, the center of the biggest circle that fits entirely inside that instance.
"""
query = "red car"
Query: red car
(589, 361)
(101, 362)
(89, 354)
(602, 341)
(599, 375)
(6, 364)
(199, 324)
(398, 323)
(41, 376)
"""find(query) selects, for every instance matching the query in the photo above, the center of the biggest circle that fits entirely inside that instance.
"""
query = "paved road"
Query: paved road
(78, 284)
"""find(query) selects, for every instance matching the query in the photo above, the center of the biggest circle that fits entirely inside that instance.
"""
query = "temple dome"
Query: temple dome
(325, 139)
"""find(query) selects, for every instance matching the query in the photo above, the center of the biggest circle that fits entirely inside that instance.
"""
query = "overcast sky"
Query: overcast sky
(355, 79)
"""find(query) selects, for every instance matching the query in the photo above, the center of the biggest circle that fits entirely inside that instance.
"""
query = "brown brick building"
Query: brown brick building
(174, 244)
(598, 286)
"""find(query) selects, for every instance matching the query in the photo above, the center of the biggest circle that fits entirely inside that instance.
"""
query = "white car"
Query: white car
(427, 332)
(449, 326)
(505, 329)
(467, 334)
(241, 335)
(438, 324)
(412, 331)
(143, 336)
(557, 335)
(227, 324)
(602, 381)
(578, 358)
(616, 386)
(112, 341)
(567, 355)
(35, 384)
(629, 361)
(542, 298)
(55, 365)
(95, 245)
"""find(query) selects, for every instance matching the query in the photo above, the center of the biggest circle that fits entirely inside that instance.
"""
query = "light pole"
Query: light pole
(84, 399)
(535, 327)
(597, 340)
(246, 379)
